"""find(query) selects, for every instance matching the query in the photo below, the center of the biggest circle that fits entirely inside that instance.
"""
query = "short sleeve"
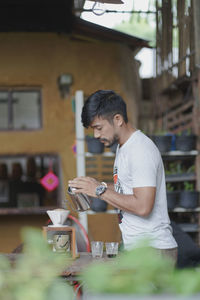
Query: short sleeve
(143, 169)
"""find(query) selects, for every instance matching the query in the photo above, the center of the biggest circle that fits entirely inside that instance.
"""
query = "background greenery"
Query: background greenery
(141, 271)
(35, 274)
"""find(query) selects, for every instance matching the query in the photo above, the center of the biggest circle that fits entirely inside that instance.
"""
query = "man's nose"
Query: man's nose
(96, 134)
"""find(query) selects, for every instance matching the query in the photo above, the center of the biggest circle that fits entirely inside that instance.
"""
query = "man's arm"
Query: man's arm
(111, 186)
(140, 203)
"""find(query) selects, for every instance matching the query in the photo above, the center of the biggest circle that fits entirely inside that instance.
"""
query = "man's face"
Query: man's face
(105, 131)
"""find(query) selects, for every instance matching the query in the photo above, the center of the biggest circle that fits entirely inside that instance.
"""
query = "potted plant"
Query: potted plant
(35, 274)
(179, 169)
(189, 197)
(98, 205)
(163, 141)
(171, 196)
(185, 141)
(94, 145)
(191, 170)
(140, 274)
(173, 169)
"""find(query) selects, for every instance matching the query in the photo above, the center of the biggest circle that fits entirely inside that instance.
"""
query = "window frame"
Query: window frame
(12, 90)
(10, 206)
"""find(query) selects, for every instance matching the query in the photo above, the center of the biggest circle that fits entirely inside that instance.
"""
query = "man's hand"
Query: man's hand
(86, 185)
(141, 202)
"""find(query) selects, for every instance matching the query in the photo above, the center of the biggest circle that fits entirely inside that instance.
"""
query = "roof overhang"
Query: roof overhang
(94, 31)
(58, 16)
(109, 1)
(36, 15)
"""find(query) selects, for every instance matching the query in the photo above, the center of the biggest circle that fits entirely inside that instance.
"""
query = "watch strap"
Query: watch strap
(104, 183)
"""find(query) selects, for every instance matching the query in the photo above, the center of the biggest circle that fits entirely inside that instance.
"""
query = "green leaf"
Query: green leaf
(36, 275)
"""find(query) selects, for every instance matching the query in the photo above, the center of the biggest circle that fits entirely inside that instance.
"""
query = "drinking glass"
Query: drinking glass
(112, 249)
(97, 249)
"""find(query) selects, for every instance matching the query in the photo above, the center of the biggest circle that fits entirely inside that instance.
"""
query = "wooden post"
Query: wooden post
(181, 24)
(196, 86)
(196, 15)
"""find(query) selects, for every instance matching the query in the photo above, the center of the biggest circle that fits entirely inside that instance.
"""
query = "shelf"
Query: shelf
(25, 211)
(109, 211)
(180, 153)
(169, 153)
(189, 227)
(181, 209)
(180, 177)
(107, 153)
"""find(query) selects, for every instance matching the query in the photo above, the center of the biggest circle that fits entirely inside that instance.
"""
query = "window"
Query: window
(20, 185)
(20, 109)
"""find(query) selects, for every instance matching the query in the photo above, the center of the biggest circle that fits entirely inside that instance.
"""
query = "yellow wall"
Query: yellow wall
(11, 226)
(36, 60)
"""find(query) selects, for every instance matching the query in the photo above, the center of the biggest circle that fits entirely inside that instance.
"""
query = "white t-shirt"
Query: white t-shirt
(138, 163)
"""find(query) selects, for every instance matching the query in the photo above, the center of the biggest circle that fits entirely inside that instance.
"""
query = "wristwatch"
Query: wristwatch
(100, 189)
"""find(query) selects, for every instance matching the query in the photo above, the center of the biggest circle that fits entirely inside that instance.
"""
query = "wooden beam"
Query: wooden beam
(181, 108)
(181, 29)
(196, 14)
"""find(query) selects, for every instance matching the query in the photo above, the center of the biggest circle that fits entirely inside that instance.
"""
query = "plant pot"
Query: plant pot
(185, 142)
(171, 199)
(189, 199)
(94, 145)
(98, 205)
(163, 142)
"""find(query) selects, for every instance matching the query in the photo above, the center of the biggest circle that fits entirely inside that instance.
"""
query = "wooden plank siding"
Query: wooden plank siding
(100, 167)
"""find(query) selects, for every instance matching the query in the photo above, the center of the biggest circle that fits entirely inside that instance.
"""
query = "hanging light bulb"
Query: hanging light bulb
(99, 8)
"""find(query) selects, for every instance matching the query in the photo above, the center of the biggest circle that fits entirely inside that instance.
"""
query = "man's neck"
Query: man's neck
(126, 131)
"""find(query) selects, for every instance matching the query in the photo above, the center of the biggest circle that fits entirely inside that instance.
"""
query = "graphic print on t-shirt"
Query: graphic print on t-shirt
(117, 185)
(118, 189)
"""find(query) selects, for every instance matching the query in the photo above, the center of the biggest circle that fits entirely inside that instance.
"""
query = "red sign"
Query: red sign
(50, 181)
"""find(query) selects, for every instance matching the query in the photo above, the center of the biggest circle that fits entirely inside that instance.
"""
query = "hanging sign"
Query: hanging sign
(50, 181)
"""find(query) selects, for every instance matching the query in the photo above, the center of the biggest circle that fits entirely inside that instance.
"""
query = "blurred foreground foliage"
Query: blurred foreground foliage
(35, 274)
(141, 271)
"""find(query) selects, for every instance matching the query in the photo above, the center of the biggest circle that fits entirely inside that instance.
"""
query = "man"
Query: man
(139, 180)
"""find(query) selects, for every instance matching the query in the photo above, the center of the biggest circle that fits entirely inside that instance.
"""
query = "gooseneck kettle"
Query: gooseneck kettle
(81, 202)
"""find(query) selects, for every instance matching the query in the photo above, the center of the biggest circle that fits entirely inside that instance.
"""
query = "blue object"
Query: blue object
(173, 141)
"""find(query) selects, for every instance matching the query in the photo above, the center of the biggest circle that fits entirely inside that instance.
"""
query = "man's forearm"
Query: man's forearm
(111, 186)
(126, 202)
(140, 202)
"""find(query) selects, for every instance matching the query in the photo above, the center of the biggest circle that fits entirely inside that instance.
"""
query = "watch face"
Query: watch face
(100, 190)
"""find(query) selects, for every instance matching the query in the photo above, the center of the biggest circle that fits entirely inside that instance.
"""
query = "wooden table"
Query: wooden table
(82, 262)
(74, 267)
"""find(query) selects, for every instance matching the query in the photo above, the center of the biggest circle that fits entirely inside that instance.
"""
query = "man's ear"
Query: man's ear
(118, 120)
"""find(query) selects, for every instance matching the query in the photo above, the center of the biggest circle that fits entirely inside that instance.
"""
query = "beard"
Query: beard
(111, 142)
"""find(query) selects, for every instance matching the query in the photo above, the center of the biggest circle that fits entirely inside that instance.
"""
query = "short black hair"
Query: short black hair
(105, 104)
